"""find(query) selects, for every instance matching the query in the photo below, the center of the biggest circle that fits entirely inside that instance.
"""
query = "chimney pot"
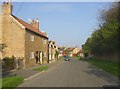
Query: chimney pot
(35, 23)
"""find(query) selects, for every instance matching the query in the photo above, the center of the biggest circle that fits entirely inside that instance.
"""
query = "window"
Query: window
(31, 55)
(44, 41)
(49, 46)
(31, 38)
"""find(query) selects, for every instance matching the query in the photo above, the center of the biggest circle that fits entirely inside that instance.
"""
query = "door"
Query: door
(41, 57)
(37, 57)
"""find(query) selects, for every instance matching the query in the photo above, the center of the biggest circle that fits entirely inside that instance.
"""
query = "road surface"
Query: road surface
(73, 73)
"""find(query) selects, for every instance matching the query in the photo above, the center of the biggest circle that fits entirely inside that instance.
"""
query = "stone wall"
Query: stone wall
(0, 34)
(33, 46)
(13, 36)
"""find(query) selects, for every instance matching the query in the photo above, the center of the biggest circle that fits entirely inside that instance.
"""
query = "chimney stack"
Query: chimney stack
(7, 8)
(35, 23)
(44, 33)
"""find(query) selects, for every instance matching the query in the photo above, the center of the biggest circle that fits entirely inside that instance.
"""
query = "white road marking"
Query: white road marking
(41, 72)
(33, 75)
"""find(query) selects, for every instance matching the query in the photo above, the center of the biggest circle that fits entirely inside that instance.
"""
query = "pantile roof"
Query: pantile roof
(30, 27)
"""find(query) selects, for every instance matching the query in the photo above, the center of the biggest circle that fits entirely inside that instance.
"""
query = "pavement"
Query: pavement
(73, 73)
(28, 72)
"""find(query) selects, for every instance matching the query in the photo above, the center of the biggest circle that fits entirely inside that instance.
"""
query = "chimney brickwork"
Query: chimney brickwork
(35, 23)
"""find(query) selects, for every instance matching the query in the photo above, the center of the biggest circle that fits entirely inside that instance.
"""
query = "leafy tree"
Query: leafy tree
(105, 39)
(56, 54)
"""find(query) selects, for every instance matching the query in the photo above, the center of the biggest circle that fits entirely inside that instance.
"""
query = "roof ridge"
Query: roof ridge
(29, 26)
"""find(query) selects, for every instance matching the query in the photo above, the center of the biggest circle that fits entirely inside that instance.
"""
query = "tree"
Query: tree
(105, 39)
(57, 53)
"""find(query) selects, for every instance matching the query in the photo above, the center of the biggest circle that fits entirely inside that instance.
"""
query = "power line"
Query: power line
(21, 4)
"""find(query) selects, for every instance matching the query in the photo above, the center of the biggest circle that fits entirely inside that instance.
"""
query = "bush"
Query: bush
(8, 63)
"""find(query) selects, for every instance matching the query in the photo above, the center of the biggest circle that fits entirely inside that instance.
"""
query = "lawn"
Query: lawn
(108, 66)
(41, 68)
(11, 82)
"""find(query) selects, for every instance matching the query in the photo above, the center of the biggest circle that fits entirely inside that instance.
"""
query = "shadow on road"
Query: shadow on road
(102, 74)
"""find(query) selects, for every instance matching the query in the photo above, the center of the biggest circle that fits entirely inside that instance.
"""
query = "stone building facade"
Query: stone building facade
(52, 51)
(23, 40)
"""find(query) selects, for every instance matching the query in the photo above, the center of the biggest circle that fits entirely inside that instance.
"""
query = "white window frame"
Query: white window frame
(32, 38)
(32, 55)
(44, 41)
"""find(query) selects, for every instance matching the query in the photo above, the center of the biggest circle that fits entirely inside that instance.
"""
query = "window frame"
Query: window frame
(32, 55)
(32, 38)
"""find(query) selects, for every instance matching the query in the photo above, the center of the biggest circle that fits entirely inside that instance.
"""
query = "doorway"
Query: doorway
(37, 57)
(41, 57)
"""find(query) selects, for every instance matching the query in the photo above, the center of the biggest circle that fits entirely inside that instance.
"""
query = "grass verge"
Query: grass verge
(41, 68)
(62, 58)
(77, 57)
(11, 82)
(109, 66)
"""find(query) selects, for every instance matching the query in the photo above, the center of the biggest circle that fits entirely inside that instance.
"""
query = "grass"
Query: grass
(11, 82)
(41, 68)
(77, 57)
(108, 66)
(62, 58)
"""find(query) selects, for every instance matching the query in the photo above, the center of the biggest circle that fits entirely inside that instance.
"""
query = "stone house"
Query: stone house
(23, 40)
(80, 53)
(52, 51)
(75, 51)
(71, 52)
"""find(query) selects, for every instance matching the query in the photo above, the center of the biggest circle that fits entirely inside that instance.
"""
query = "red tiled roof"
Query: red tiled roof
(29, 27)
(80, 51)
(71, 49)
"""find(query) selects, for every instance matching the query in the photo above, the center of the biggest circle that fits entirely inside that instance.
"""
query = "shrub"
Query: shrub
(8, 63)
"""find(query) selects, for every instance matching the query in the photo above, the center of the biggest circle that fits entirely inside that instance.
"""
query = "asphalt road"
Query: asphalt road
(73, 73)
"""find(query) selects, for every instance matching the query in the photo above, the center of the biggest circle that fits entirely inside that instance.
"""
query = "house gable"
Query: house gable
(29, 27)
(17, 21)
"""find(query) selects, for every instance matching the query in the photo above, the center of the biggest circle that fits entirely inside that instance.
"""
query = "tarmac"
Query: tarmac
(28, 72)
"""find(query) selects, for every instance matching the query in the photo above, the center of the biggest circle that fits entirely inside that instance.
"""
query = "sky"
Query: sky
(67, 23)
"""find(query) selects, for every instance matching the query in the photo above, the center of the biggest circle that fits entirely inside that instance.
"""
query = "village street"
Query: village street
(73, 73)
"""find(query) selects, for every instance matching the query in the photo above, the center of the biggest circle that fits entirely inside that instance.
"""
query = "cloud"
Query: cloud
(55, 7)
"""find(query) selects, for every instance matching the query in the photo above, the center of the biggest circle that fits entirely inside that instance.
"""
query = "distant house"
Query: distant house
(52, 51)
(23, 40)
(60, 54)
(64, 53)
(80, 53)
(73, 52)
